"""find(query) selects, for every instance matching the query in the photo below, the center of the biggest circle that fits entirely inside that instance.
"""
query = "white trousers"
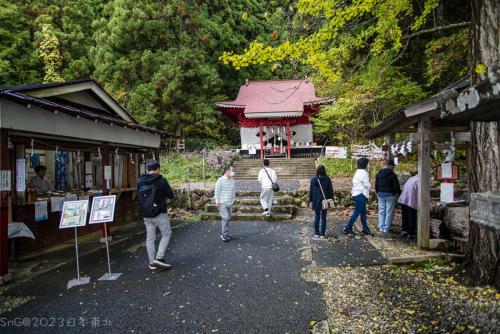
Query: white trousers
(266, 198)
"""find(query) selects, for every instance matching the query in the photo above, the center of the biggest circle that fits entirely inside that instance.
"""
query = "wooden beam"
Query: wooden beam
(424, 196)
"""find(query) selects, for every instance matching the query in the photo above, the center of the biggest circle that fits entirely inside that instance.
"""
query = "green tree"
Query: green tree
(18, 60)
(160, 59)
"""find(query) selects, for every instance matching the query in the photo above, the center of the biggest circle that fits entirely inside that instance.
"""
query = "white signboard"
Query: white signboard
(5, 180)
(446, 170)
(41, 212)
(107, 172)
(74, 214)
(20, 175)
(103, 209)
(447, 195)
(337, 152)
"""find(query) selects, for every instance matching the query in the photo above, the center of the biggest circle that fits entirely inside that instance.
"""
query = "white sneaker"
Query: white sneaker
(265, 212)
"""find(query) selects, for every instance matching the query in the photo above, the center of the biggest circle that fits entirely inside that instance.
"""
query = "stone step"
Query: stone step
(254, 200)
(290, 209)
(247, 216)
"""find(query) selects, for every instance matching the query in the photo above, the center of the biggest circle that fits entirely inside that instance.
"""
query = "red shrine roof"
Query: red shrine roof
(273, 98)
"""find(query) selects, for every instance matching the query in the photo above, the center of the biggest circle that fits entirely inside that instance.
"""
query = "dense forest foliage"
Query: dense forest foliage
(169, 61)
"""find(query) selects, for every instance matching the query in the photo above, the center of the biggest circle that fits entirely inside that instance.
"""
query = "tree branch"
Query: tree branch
(425, 31)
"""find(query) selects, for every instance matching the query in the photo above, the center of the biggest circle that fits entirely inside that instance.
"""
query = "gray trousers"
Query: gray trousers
(162, 222)
(225, 212)
(266, 198)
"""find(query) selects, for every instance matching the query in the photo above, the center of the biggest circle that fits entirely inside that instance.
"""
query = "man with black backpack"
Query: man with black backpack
(153, 192)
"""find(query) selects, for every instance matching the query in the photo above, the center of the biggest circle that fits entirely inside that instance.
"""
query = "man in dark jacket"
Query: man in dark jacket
(153, 191)
(387, 189)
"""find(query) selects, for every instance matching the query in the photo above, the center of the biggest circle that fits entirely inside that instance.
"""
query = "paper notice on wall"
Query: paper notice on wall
(446, 170)
(20, 175)
(5, 180)
(107, 172)
(337, 152)
(447, 190)
(56, 203)
(142, 169)
(88, 167)
(41, 212)
(88, 181)
(252, 150)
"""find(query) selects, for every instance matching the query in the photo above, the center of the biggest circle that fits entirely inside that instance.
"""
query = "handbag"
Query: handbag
(326, 203)
(274, 185)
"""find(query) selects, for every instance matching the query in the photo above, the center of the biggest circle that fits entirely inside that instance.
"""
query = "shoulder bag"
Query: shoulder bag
(326, 203)
(274, 185)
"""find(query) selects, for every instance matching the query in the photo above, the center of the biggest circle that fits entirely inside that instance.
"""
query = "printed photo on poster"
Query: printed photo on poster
(74, 214)
(103, 209)
(41, 212)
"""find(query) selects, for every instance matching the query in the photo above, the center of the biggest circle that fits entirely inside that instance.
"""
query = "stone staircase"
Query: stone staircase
(247, 208)
(286, 169)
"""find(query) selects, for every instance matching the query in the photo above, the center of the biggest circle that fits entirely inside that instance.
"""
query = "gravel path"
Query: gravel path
(249, 285)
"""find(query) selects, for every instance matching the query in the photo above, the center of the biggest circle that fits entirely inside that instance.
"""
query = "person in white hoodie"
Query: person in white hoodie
(266, 178)
(360, 193)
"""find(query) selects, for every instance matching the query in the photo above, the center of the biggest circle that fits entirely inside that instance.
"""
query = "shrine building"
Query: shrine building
(275, 117)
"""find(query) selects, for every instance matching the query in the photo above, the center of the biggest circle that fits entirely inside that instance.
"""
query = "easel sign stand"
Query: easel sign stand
(74, 214)
(103, 211)
(79, 280)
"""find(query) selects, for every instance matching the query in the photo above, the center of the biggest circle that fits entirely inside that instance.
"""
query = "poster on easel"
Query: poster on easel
(74, 214)
(103, 211)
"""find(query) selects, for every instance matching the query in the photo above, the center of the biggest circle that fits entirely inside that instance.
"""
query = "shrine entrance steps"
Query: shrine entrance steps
(247, 208)
(286, 169)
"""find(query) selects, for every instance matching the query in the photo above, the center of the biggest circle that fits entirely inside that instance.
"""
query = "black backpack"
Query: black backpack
(147, 206)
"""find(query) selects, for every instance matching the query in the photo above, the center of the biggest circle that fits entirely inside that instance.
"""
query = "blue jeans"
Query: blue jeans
(386, 206)
(359, 209)
(320, 228)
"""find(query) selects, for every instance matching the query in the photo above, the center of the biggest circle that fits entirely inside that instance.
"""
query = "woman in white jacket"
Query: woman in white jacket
(360, 193)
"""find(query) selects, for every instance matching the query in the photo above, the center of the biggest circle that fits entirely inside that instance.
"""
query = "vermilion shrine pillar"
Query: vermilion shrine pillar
(261, 142)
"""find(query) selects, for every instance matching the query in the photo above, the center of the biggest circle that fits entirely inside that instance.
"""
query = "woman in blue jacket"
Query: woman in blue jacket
(315, 198)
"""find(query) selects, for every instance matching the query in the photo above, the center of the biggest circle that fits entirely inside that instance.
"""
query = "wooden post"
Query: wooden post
(261, 143)
(424, 196)
(4, 207)
(288, 139)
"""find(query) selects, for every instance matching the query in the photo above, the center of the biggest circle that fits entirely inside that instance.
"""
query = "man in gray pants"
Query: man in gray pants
(225, 191)
(153, 191)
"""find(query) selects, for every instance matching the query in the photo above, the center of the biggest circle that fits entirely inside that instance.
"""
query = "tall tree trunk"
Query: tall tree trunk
(483, 254)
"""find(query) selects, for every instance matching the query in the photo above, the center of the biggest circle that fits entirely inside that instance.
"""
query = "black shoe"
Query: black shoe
(161, 263)
(349, 232)
(152, 266)
(367, 232)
